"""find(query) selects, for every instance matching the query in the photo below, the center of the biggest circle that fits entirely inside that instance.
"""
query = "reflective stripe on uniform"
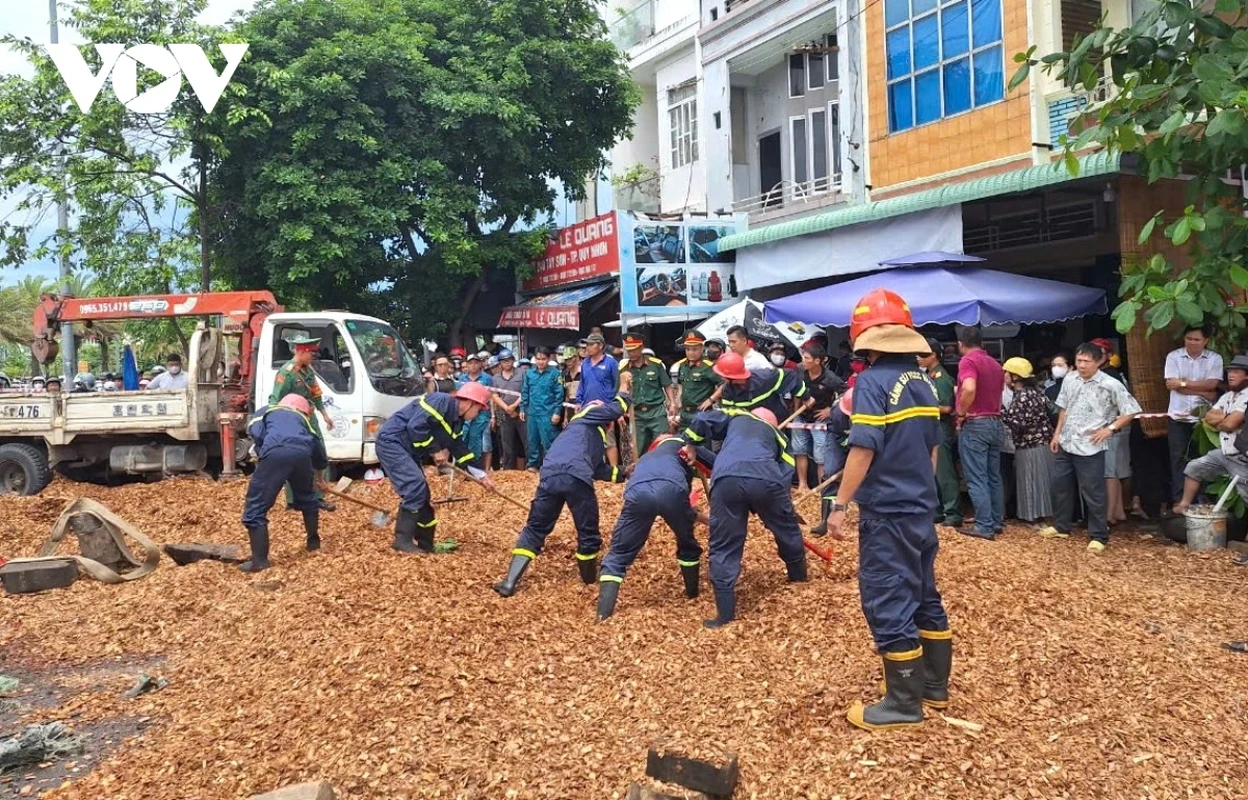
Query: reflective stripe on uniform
(520, 551)
(880, 420)
(586, 556)
(610, 578)
(425, 443)
(784, 443)
(687, 563)
(753, 401)
(430, 524)
(433, 412)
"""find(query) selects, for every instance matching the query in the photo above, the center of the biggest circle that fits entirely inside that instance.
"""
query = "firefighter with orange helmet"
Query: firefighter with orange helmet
(290, 449)
(752, 474)
(893, 441)
(658, 487)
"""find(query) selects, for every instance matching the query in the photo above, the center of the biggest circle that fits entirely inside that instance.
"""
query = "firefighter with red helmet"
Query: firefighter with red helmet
(752, 474)
(893, 441)
(659, 486)
(429, 425)
(290, 449)
(747, 389)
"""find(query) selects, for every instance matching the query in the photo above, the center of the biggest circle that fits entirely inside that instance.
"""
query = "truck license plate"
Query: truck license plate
(20, 412)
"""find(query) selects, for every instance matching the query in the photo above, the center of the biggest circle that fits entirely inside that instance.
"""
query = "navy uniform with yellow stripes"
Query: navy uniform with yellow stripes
(658, 487)
(576, 459)
(753, 472)
(426, 425)
(766, 388)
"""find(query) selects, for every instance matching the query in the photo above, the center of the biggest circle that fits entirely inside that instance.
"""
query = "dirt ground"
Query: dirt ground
(406, 677)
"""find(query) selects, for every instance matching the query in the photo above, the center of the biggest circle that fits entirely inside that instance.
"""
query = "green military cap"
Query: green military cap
(305, 340)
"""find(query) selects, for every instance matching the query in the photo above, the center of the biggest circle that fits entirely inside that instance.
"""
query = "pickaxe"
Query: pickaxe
(382, 519)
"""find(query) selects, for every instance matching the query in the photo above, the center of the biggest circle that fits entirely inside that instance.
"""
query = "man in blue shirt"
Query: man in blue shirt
(600, 379)
(477, 432)
(541, 405)
(893, 439)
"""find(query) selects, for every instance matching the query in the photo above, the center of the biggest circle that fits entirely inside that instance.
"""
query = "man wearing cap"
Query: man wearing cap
(290, 450)
(600, 380)
(948, 490)
(696, 379)
(172, 378)
(513, 438)
(893, 438)
(297, 377)
(477, 431)
(457, 357)
(714, 349)
(541, 406)
(653, 396)
(752, 474)
(574, 462)
(1227, 418)
(429, 425)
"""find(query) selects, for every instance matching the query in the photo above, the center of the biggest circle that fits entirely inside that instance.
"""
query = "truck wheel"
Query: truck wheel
(23, 470)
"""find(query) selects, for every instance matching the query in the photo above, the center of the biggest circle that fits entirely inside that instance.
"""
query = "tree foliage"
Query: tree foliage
(386, 151)
(1179, 74)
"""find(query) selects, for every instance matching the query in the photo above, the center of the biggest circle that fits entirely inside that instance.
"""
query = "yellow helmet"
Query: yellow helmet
(1018, 366)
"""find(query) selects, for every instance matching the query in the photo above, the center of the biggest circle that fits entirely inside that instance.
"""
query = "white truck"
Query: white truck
(365, 372)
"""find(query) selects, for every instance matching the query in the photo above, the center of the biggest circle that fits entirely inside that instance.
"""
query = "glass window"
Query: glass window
(682, 118)
(819, 148)
(814, 71)
(942, 61)
(797, 149)
(797, 75)
(390, 366)
(832, 59)
(834, 136)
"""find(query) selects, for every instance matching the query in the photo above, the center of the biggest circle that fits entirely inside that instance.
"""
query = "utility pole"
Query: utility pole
(68, 351)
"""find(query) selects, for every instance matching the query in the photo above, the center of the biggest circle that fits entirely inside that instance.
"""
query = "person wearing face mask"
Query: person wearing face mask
(778, 357)
(172, 379)
(1059, 367)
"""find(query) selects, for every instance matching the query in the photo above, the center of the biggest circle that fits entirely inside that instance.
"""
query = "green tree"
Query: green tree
(385, 151)
(137, 183)
(1179, 74)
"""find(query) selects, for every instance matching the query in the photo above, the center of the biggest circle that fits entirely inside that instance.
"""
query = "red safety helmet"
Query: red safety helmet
(847, 402)
(766, 415)
(458, 351)
(476, 392)
(879, 307)
(732, 367)
(298, 402)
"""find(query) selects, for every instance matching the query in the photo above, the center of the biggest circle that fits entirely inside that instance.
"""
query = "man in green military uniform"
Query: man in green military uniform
(653, 395)
(947, 487)
(697, 379)
(297, 377)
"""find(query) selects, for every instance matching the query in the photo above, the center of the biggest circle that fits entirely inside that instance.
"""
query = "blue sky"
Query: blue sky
(29, 19)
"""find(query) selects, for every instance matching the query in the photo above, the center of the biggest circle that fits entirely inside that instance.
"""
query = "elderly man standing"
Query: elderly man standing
(1092, 408)
(600, 379)
(1192, 374)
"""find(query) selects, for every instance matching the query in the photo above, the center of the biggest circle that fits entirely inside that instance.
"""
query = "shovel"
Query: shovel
(511, 500)
(382, 519)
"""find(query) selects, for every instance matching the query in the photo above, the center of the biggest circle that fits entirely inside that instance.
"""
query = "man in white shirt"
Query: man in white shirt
(1192, 374)
(173, 378)
(1226, 417)
(739, 343)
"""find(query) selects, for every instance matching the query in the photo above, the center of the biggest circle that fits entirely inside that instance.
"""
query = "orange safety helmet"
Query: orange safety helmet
(847, 402)
(731, 366)
(879, 307)
(475, 392)
(766, 415)
(298, 402)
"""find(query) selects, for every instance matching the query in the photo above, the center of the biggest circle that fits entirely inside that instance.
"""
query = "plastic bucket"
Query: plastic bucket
(1206, 529)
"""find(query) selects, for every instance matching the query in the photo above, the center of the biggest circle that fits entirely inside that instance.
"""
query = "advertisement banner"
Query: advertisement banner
(583, 251)
(676, 267)
(567, 317)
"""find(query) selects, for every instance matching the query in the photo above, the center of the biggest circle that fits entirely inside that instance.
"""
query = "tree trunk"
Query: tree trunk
(177, 331)
(104, 362)
(460, 327)
(205, 269)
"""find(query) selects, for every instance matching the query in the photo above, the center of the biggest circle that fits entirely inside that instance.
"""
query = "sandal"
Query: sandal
(1240, 560)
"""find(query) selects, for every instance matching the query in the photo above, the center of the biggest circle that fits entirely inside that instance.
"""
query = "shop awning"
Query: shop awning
(1019, 180)
(654, 319)
(561, 310)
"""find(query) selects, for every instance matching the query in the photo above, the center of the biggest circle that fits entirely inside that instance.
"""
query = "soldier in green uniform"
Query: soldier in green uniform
(697, 378)
(297, 377)
(947, 487)
(652, 394)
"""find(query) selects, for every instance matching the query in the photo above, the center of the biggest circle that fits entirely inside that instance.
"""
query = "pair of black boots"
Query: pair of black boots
(586, 566)
(410, 536)
(609, 589)
(912, 680)
(726, 599)
(258, 537)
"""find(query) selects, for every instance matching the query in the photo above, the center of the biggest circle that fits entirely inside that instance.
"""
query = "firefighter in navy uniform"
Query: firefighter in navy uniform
(658, 486)
(576, 459)
(290, 449)
(753, 472)
(429, 425)
(893, 442)
(748, 389)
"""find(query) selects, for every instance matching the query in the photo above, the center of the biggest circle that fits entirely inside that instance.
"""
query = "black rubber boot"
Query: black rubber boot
(608, 592)
(797, 570)
(588, 567)
(312, 526)
(690, 574)
(725, 609)
(937, 664)
(902, 706)
(424, 538)
(405, 532)
(515, 570)
(825, 511)
(259, 539)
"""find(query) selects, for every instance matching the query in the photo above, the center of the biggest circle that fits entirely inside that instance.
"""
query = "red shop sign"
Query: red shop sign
(564, 317)
(589, 249)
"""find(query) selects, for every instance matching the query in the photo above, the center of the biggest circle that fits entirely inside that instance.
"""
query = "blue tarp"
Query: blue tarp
(129, 370)
(945, 295)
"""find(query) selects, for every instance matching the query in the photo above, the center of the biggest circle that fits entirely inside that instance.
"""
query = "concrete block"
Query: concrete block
(190, 552)
(38, 576)
(317, 790)
(638, 792)
(669, 766)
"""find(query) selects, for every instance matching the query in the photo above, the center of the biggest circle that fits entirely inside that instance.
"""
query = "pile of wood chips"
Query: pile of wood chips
(402, 677)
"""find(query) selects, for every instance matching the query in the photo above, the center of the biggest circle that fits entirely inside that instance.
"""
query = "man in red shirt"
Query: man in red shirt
(981, 435)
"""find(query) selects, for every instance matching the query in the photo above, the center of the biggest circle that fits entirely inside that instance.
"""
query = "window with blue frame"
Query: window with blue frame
(943, 57)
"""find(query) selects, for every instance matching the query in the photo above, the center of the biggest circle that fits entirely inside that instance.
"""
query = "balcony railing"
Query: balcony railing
(790, 195)
(634, 26)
